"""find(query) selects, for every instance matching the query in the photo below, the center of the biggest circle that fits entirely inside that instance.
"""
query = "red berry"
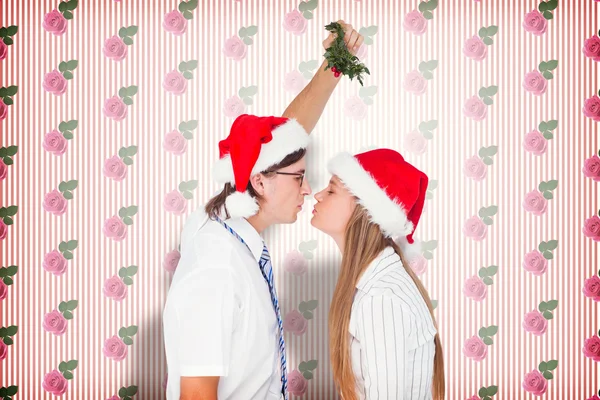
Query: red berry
(336, 74)
(334, 70)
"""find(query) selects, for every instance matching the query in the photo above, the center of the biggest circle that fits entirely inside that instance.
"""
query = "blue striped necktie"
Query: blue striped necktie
(266, 268)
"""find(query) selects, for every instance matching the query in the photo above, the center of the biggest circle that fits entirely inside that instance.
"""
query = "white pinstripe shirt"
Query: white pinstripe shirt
(391, 334)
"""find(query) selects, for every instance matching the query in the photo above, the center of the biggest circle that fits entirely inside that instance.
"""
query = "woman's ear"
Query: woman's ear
(257, 182)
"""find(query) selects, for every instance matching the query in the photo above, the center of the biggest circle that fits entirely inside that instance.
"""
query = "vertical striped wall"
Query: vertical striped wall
(346, 125)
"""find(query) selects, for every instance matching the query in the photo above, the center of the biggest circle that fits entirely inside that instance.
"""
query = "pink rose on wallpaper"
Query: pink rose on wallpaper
(475, 289)
(115, 168)
(55, 203)
(591, 348)
(171, 261)
(175, 202)
(535, 383)
(475, 397)
(415, 22)
(475, 169)
(415, 83)
(115, 48)
(295, 263)
(591, 108)
(3, 170)
(297, 384)
(535, 263)
(294, 82)
(361, 53)
(3, 350)
(295, 323)
(475, 349)
(114, 397)
(591, 168)
(591, 228)
(114, 228)
(234, 107)
(3, 109)
(115, 108)
(475, 228)
(114, 288)
(535, 83)
(594, 397)
(175, 143)
(534, 322)
(475, 49)
(534, 142)
(3, 290)
(55, 23)
(475, 108)
(175, 83)
(55, 143)
(55, 383)
(3, 230)
(55, 263)
(535, 23)
(235, 48)
(115, 349)
(55, 323)
(418, 264)
(591, 48)
(415, 142)
(591, 288)
(55, 83)
(175, 23)
(355, 108)
(295, 23)
(535, 203)
(3, 50)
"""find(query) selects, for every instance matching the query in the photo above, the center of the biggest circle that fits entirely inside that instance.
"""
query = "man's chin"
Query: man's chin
(290, 219)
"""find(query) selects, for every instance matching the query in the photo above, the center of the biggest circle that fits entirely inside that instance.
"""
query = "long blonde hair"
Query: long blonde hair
(364, 241)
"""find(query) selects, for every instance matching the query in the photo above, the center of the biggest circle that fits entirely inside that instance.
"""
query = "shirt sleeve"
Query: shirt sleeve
(205, 309)
(383, 327)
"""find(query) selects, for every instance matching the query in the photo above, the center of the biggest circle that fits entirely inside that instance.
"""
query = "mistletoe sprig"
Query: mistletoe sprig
(339, 58)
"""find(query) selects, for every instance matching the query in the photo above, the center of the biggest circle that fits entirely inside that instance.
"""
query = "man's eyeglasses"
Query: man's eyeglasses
(300, 174)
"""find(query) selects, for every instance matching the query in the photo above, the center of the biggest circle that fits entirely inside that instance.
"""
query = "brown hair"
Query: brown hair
(364, 242)
(214, 205)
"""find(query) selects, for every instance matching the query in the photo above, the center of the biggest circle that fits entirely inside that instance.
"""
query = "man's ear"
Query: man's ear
(257, 182)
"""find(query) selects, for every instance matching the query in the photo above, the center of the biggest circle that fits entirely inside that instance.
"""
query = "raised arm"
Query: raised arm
(308, 106)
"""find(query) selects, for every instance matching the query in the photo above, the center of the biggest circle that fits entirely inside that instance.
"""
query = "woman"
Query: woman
(383, 335)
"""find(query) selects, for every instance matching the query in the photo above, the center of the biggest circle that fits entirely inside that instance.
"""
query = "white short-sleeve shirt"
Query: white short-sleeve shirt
(218, 318)
(391, 334)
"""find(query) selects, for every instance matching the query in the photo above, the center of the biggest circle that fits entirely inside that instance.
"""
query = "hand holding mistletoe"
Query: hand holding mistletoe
(341, 46)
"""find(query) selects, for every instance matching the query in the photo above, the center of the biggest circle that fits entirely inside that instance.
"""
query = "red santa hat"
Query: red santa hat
(390, 189)
(254, 144)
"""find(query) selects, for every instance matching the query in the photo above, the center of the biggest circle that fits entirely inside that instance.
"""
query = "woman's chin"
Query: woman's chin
(313, 222)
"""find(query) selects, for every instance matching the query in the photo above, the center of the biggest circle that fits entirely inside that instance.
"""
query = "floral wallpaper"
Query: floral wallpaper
(111, 111)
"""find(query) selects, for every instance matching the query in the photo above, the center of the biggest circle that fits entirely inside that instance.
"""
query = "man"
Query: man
(222, 322)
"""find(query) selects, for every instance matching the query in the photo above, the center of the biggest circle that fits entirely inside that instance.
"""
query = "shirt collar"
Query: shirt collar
(243, 228)
(375, 267)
